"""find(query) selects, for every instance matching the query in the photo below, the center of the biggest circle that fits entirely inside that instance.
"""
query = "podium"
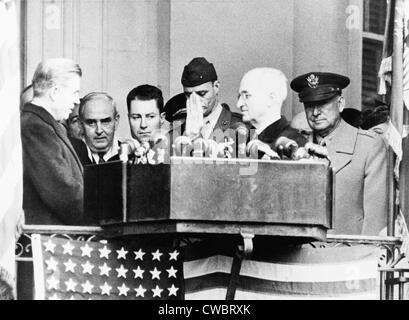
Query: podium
(290, 199)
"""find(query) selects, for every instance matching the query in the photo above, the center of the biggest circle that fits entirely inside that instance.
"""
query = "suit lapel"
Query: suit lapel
(342, 146)
(63, 136)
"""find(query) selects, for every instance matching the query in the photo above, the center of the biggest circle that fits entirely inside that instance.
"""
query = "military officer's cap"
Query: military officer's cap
(197, 72)
(175, 108)
(319, 86)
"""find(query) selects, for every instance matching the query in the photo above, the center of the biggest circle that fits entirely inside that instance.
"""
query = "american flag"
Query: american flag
(66, 269)
(10, 144)
(279, 272)
(396, 57)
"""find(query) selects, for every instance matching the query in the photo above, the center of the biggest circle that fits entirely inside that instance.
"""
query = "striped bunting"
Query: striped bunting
(10, 145)
(282, 272)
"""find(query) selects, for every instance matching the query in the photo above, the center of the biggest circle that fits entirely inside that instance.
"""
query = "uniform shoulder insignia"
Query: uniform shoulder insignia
(367, 133)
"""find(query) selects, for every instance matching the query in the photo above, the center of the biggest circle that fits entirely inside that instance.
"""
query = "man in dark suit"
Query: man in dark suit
(261, 96)
(358, 157)
(100, 120)
(52, 171)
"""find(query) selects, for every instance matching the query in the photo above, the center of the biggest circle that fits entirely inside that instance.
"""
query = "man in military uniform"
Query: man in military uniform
(206, 117)
(358, 157)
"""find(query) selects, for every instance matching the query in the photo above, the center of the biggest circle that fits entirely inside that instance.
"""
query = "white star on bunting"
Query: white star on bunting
(104, 252)
(87, 287)
(104, 270)
(52, 283)
(172, 272)
(157, 291)
(138, 272)
(69, 266)
(86, 251)
(123, 290)
(51, 264)
(173, 290)
(122, 253)
(156, 255)
(49, 246)
(139, 254)
(106, 289)
(70, 284)
(121, 271)
(155, 273)
(173, 255)
(87, 267)
(140, 291)
(68, 247)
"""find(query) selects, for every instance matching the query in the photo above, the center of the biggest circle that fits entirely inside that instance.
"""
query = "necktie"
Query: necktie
(323, 143)
(101, 158)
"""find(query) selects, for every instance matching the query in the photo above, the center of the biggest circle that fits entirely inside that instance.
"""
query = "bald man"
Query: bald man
(261, 96)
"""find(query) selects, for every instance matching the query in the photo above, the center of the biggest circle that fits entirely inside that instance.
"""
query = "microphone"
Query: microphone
(242, 136)
(317, 150)
(159, 143)
(212, 149)
(254, 147)
(226, 147)
(126, 148)
(200, 146)
(182, 146)
(141, 151)
(286, 147)
(157, 137)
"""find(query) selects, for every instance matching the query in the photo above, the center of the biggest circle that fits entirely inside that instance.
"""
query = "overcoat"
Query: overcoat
(359, 161)
(52, 172)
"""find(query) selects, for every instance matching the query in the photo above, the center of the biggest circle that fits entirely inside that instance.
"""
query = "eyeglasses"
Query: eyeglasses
(93, 123)
(244, 95)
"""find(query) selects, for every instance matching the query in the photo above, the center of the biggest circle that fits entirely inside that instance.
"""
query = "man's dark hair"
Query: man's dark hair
(371, 117)
(144, 93)
(377, 110)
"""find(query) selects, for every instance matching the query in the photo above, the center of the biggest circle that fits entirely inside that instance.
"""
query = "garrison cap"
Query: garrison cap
(197, 72)
(319, 86)
(175, 108)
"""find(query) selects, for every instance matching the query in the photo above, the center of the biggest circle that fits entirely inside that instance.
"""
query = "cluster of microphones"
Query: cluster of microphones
(159, 148)
(154, 151)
